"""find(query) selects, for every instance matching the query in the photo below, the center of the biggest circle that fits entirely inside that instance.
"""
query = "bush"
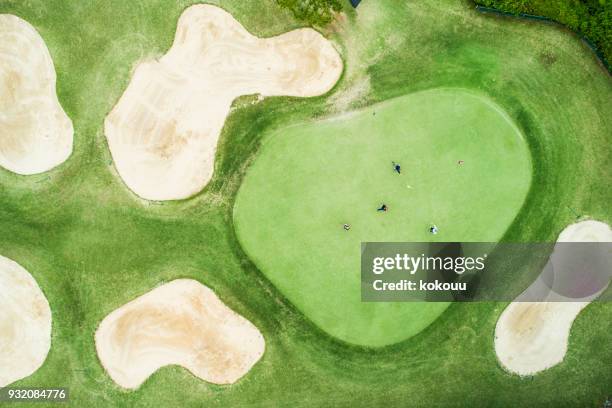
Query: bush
(314, 12)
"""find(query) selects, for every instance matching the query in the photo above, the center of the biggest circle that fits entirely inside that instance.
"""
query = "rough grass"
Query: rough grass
(591, 18)
(93, 246)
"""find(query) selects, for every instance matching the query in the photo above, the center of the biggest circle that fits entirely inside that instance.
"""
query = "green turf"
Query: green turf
(312, 178)
(92, 245)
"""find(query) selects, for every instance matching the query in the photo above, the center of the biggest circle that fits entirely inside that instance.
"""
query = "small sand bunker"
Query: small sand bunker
(163, 132)
(35, 133)
(533, 336)
(25, 323)
(183, 323)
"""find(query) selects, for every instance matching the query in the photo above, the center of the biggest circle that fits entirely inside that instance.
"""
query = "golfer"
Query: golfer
(397, 167)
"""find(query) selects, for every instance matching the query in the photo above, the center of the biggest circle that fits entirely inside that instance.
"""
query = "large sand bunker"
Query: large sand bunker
(533, 336)
(163, 132)
(184, 323)
(35, 133)
(25, 323)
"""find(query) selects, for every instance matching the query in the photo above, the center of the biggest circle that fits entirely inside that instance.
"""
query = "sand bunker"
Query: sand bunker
(163, 132)
(35, 133)
(533, 336)
(184, 323)
(25, 323)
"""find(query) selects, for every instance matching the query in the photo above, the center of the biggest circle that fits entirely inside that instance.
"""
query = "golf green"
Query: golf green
(465, 168)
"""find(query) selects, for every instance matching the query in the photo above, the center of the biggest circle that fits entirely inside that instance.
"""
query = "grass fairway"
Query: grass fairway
(92, 245)
(311, 179)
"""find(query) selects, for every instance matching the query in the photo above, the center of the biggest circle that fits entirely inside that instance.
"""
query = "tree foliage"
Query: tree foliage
(591, 18)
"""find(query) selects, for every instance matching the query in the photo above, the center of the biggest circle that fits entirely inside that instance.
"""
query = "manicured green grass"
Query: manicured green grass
(310, 179)
(92, 245)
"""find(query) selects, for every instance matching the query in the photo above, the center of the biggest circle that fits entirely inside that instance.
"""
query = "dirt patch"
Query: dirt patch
(25, 323)
(164, 130)
(35, 133)
(183, 323)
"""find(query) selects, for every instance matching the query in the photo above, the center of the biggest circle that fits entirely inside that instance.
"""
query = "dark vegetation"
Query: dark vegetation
(590, 18)
(313, 12)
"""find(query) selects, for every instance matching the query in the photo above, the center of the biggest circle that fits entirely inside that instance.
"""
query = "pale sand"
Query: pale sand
(25, 323)
(35, 133)
(164, 130)
(183, 323)
(533, 336)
